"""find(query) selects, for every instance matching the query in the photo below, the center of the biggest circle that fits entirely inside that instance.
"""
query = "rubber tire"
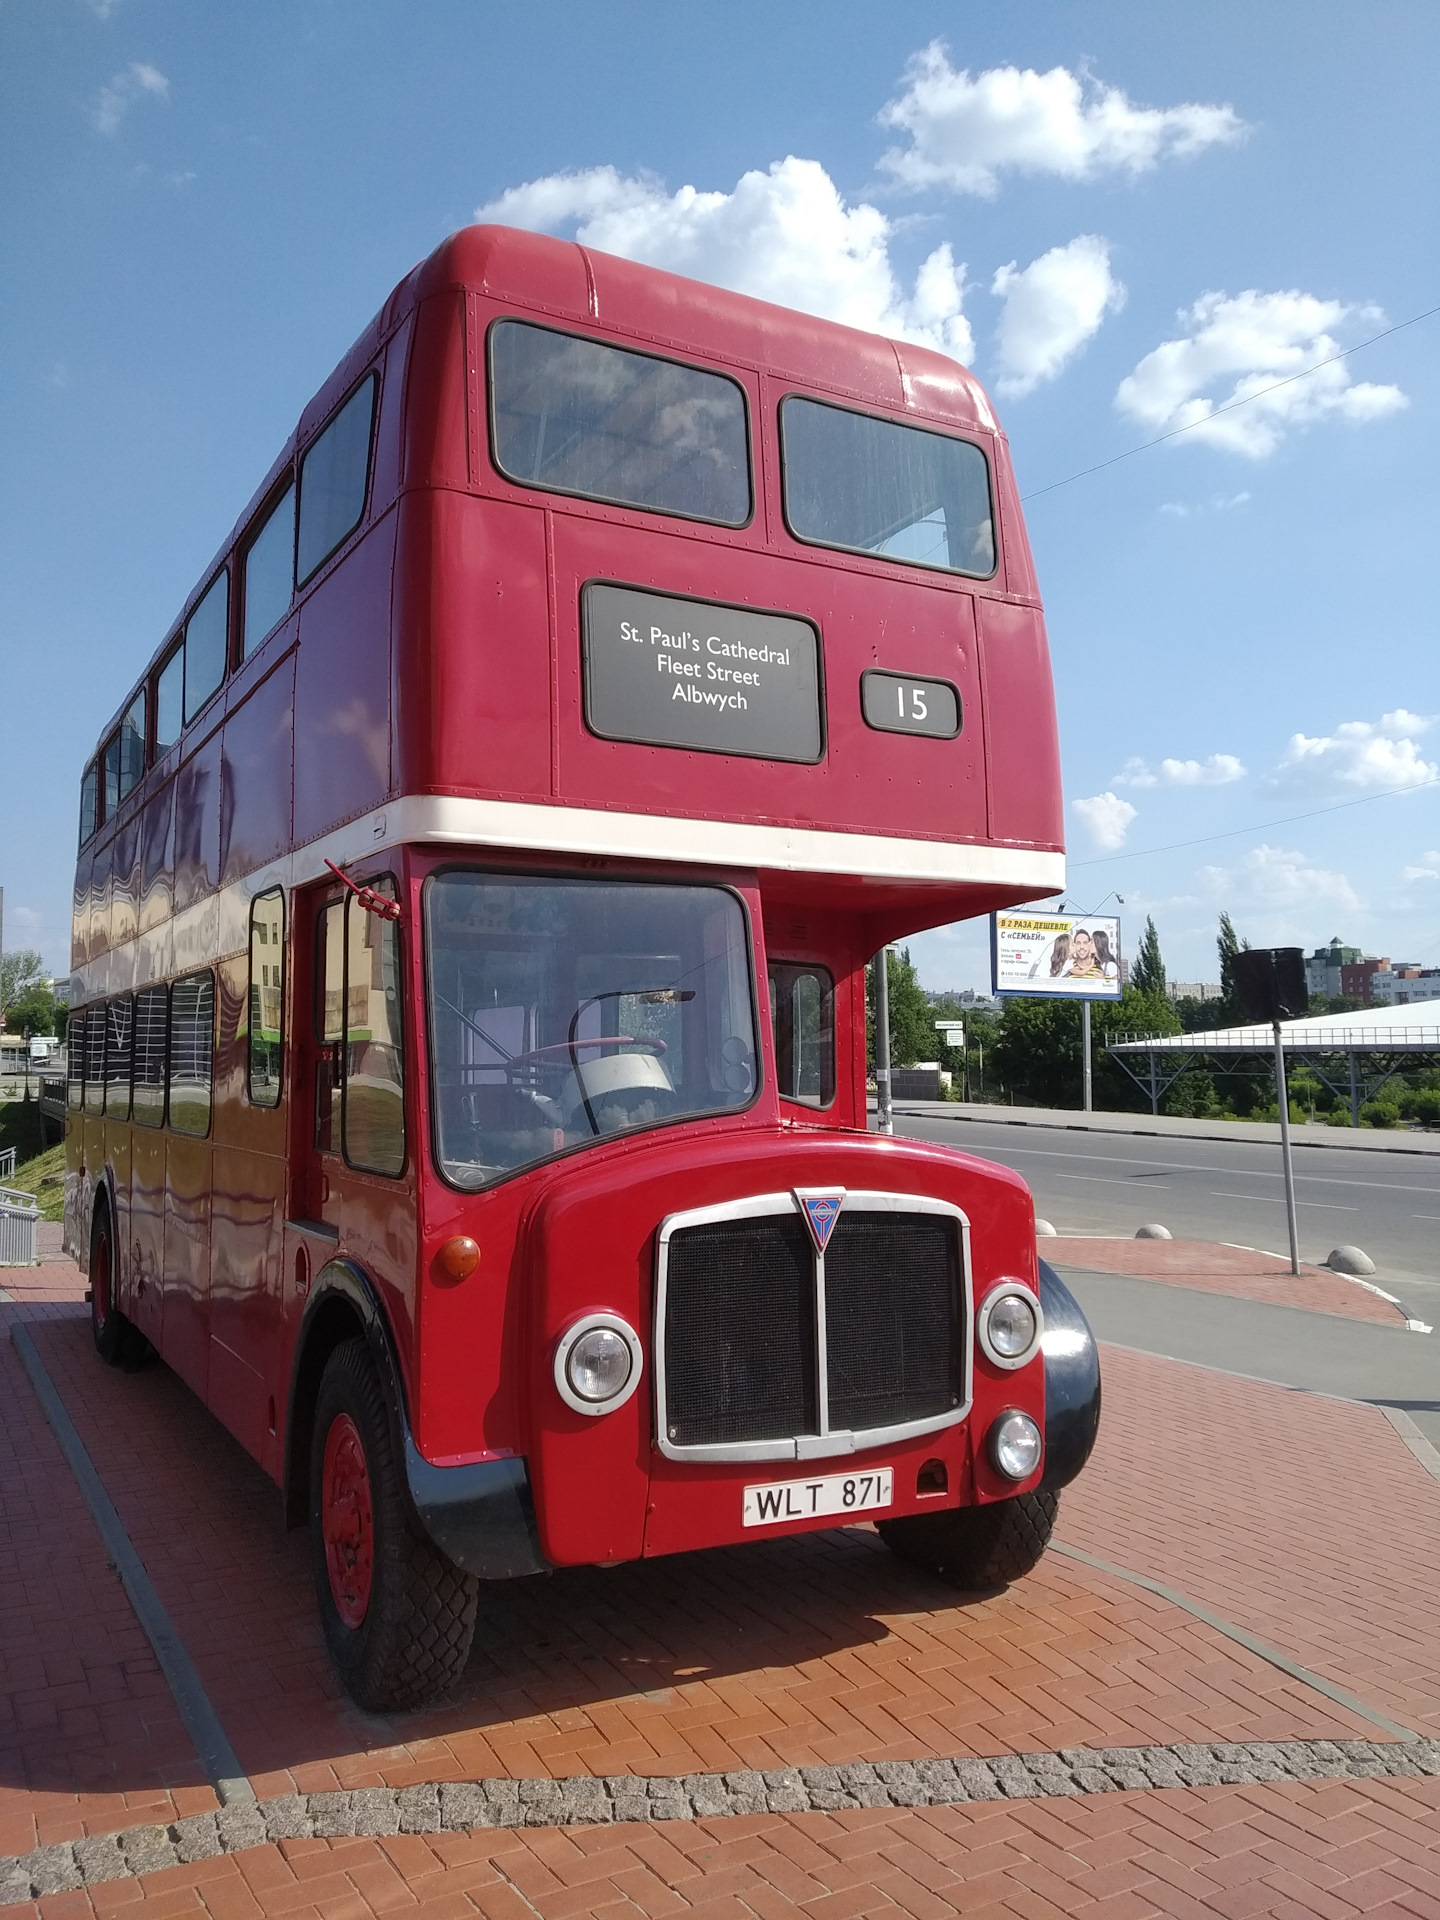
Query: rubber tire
(414, 1639)
(107, 1323)
(977, 1548)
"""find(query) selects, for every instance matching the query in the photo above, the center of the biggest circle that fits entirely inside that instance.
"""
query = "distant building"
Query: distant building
(1405, 985)
(1356, 978)
(1195, 989)
(1324, 968)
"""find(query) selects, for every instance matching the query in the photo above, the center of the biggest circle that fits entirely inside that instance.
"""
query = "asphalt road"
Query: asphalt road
(1313, 1352)
(1387, 1203)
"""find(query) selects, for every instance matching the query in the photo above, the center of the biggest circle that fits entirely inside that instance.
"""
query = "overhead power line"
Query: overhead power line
(1232, 407)
(1263, 826)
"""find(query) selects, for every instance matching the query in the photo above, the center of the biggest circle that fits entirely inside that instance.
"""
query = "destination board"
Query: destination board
(668, 672)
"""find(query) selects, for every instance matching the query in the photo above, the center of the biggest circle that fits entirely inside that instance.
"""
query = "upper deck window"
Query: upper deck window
(270, 572)
(580, 417)
(873, 486)
(207, 635)
(333, 478)
(89, 802)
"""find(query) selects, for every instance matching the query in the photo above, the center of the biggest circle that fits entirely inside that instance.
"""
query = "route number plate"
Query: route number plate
(837, 1493)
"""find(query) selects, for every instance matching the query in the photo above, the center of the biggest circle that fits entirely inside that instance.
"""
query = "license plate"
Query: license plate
(837, 1493)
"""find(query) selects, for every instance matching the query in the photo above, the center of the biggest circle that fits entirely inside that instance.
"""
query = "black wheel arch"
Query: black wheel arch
(1072, 1382)
(481, 1514)
(343, 1303)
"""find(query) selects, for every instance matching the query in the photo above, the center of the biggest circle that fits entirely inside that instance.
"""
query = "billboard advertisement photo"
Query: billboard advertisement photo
(1055, 955)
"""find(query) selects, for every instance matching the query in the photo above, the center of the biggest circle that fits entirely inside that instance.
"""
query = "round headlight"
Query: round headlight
(1010, 1324)
(598, 1363)
(1015, 1445)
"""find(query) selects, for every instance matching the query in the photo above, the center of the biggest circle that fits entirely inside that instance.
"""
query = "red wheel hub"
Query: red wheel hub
(347, 1520)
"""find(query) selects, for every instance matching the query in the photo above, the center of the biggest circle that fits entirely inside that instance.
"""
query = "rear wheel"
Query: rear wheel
(977, 1548)
(107, 1323)
(398, 1616)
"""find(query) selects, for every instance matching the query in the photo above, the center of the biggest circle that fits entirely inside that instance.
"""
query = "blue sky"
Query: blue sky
(1124, 215)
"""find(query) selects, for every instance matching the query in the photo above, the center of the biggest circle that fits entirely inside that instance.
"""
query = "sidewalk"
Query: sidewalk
(801, 1726)
(1248, 1132)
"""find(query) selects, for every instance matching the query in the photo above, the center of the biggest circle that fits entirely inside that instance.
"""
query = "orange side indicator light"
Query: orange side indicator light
(458, 1258)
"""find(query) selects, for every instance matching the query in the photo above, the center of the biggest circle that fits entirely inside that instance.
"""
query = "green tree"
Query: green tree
(912, 1022)
(1036, 1054)
(1229, 944)
(19, 973)
(1147, 972)
(33, 1011)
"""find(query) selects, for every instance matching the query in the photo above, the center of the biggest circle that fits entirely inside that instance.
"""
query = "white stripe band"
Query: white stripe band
(217, 926)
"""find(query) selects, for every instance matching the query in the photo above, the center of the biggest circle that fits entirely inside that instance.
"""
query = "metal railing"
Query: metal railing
(7, 1162)
(18, 1215)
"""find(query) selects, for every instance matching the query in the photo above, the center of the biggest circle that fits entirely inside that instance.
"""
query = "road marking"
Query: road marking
(1272, 1200)
(1243, 1173)
(1100, 1180)
(201, 1721)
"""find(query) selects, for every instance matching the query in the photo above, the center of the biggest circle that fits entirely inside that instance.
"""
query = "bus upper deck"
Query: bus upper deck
(533, 453)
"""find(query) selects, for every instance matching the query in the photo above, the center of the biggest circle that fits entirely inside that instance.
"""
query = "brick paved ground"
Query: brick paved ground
(810, 1651)
(1239, 1271)
(89, 1736)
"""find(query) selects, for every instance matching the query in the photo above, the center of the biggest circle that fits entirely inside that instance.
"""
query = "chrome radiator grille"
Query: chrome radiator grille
(767, 1348)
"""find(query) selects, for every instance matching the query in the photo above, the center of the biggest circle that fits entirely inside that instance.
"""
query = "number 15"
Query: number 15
(917, 709)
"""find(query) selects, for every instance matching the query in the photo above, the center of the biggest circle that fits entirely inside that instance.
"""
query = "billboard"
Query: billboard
(1055, 955)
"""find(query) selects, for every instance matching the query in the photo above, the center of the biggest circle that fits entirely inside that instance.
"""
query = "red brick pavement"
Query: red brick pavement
(807, 1651)
(1240, 1271)
(1293, 1850)
(1305, 1520)
(1282, 1511)
(89, 1736)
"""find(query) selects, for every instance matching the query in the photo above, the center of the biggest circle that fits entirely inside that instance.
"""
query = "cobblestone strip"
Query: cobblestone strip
(593, 1800)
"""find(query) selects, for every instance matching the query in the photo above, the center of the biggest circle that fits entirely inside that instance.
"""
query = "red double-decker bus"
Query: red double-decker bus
(468, 1079)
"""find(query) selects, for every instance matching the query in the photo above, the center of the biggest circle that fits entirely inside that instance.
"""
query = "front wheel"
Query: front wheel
(398, 1616)
(977, 1548)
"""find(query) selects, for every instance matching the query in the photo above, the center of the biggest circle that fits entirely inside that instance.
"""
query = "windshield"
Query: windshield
(563, 1011)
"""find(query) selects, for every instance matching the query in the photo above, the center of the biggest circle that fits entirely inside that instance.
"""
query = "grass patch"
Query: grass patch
(44, 1176)
(39, 1170)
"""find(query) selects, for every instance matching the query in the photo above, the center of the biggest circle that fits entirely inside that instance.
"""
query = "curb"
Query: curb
(627, 1799)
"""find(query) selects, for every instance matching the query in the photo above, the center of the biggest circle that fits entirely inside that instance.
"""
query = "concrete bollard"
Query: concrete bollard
(1349, 1260)
(1153, 1232)
(1044, 1230)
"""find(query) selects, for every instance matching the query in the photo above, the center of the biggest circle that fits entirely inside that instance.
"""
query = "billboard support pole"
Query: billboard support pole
(1282, 1095)
(1086, 1078)
(884, 1110)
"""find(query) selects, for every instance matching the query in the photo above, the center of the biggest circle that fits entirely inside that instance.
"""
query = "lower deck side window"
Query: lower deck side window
(192, 1047)
(802, 1010)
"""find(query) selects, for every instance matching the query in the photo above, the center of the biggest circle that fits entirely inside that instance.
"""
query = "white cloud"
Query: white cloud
(1107, 818)
(1272, 879)
(1428, 869)
(1217, 503)
(118, 95)
(785, 235)
(1218, 770)
(965, 130)
(1262, 338)
(1051, 308)
(1379, 755)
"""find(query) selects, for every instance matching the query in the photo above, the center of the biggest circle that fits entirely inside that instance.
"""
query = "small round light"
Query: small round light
(598, 1363)
(1015, 1446)
(1010, 1325)
(458, 1258)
